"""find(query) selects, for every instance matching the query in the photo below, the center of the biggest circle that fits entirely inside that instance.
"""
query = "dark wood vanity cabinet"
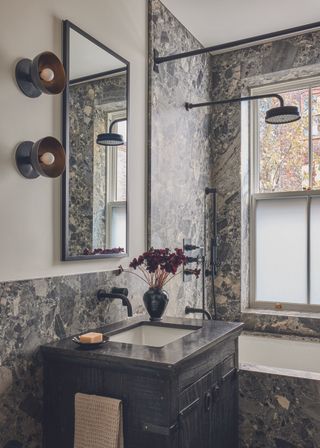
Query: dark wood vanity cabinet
(208, 416)
(189, 404)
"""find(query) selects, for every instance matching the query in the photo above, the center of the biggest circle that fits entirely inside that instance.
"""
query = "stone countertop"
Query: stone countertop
(207, 334)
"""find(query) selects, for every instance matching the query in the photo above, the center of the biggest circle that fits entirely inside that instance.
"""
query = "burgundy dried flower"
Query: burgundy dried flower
(158, 266)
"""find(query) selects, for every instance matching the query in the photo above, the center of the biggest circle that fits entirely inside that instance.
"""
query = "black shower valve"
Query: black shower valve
(193, 259)
(190, 247)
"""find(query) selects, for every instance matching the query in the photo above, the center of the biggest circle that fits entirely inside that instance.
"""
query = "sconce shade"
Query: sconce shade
(45, 74)
(46, 157)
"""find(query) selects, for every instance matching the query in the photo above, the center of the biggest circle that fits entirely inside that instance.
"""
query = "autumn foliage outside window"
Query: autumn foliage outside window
(289, 155)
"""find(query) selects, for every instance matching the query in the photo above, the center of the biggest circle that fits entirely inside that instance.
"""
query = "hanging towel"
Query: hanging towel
(98, 422)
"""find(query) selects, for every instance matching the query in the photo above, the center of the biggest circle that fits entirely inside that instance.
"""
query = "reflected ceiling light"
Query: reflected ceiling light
(277, 115)
(45, 74)
(110, 138)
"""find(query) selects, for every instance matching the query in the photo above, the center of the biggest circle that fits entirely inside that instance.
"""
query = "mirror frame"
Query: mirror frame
(65, 256)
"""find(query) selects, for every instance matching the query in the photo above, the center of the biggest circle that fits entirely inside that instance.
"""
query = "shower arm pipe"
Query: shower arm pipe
(236, 100)
(249, 41)
(114, 122)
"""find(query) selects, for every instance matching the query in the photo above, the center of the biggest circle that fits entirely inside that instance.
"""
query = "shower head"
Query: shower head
(277, 115)
(110, 138)
(282, 115)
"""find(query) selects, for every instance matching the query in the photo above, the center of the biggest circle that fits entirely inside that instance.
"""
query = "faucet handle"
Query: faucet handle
(123, 291)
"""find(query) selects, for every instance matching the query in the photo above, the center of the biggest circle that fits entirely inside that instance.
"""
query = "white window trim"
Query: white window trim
(111, 206)
(255, 196)
(111, 175)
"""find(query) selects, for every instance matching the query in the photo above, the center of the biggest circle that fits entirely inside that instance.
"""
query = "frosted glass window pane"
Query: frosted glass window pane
(315, 251)
(281, 250)
(118, 227)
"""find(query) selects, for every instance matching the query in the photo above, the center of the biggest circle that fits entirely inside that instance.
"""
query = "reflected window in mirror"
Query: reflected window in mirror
(95, 182)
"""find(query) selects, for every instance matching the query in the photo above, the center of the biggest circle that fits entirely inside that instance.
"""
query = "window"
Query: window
(285, 201)
(116, 184)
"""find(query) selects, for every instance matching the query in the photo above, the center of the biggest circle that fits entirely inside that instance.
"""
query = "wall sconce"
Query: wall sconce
(46, 158)
(45, 74)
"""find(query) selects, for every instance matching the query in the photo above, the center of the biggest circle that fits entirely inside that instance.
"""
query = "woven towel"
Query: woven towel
(98, 422)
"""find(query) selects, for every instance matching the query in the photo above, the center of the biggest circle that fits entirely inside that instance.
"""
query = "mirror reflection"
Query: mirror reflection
(96, 175)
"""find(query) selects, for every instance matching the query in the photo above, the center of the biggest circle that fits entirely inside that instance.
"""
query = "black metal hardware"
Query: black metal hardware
(65, 252)
(193, 259)
(190, 310)
(190, 247)
(116, 293)
(215, 392)
(189, 106)
(235, 44)
(188, 271)
(212, 271)
(207, 401)
(161, 430)
(276, 115)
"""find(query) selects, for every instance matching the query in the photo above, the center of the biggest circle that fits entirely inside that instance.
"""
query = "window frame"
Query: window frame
(111, 175)
(255, 196)
(111, 206)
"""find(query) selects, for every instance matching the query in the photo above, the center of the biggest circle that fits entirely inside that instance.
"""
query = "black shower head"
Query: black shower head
(277, 115)
(282, 114)
(110, 139)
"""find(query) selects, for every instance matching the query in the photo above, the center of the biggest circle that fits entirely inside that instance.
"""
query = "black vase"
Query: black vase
(155, 300)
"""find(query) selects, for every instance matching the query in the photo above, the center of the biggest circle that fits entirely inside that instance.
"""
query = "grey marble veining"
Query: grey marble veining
(278, 411)
(34, 312)
(233, 73)
(179, 144)
(90, 103)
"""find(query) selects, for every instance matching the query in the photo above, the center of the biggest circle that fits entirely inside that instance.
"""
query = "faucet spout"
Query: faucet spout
(116, 293)
(204, 312)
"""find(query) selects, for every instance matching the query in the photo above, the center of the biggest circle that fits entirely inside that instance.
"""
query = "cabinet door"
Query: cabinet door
(195, 414)
(224, 429)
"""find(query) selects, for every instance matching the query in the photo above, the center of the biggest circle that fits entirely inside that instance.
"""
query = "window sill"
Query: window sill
(282, 323)
(285, 313)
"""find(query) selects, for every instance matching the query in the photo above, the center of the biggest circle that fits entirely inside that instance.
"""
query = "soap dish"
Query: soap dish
(90, 346)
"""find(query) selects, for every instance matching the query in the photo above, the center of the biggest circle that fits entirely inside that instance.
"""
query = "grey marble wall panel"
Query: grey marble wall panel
(90, 102)
(34, 312)
(233, 73)
(278, 411)
(179, 144)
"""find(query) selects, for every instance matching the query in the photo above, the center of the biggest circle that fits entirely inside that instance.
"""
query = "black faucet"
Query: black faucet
(206, 313)
(116, 293)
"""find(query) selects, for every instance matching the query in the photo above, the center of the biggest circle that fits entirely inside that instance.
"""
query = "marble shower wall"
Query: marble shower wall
(34, 312)
(279, 411)
(90, 102)
(233, 73)
(179, 144)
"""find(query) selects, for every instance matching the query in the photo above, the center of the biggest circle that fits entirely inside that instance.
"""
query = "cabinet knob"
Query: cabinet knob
(215, 391)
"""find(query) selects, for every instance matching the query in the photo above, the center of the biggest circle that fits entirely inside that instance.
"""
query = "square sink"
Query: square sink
(151, 335)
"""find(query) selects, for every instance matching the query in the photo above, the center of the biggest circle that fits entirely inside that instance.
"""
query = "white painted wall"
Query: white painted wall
(214, 22)
(30, 209)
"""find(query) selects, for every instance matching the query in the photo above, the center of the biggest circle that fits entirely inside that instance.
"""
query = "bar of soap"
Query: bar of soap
(91, 338)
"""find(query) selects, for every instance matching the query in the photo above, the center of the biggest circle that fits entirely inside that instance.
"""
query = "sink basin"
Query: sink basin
(151, 335)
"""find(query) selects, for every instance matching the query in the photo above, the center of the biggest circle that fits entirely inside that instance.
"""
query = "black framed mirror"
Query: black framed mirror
(95, 137)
